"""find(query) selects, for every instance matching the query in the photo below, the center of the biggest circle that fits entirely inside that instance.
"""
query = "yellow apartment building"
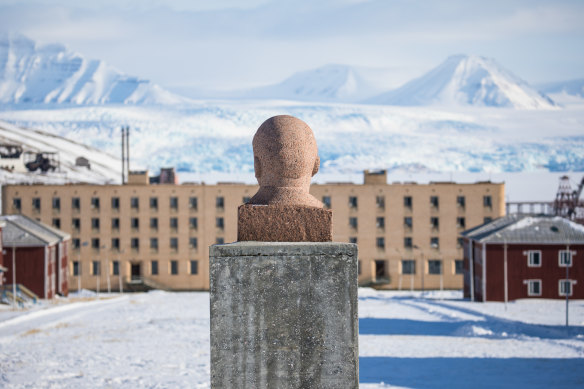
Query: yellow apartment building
(159, 234)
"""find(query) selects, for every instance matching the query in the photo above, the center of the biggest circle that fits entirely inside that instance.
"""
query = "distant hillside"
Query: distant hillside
(571, 87)
(30, 73)
(467, 81)
(105, 168)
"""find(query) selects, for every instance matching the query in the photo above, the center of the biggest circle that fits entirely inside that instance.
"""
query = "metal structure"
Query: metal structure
(44, 160)
(8, 150)
(567, 203)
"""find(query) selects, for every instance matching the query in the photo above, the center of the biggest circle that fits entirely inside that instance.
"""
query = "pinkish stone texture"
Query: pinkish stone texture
(283, 210)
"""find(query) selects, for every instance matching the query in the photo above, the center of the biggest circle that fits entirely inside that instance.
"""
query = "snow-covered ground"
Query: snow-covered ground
(161, 340)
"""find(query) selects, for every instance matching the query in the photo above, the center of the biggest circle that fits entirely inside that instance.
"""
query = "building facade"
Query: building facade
(408, 234)
(523, 256)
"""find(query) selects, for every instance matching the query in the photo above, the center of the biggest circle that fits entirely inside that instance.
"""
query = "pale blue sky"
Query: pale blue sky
(233, 44)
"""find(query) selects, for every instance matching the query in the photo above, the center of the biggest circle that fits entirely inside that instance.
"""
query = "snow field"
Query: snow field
(161, 340)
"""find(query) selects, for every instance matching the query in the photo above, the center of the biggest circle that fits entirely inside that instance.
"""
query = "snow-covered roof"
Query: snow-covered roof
(21, 231)
(519, 228)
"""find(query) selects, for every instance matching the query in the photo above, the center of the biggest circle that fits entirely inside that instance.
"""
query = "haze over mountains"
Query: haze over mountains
(30, 73)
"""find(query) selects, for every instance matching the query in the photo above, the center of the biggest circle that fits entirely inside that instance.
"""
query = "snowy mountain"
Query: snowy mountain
(105, 168)
(338, 83)
(571, 87)
(31, 73)
(467, 81)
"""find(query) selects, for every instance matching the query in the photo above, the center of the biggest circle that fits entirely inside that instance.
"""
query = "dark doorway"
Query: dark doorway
(136, 271)
(380, 271)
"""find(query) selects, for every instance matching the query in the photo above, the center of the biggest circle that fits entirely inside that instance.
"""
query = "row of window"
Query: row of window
(408, 201)
(534, 258)
(534, 287)
(409, 243)
(154, 268)
(95, 202)
(96, 243)
(408, 267)
(134, 223)
(409, 222)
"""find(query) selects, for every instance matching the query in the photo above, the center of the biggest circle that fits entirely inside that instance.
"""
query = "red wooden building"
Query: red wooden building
(40, 254)
(521, 256)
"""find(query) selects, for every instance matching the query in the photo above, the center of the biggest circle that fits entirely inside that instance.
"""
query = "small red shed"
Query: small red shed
(34, 248)
(524, 256)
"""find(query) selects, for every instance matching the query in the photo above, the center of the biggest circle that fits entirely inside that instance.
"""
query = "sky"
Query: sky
(232, 44)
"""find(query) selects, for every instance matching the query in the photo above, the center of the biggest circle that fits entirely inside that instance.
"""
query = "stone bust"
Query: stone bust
(285, 159)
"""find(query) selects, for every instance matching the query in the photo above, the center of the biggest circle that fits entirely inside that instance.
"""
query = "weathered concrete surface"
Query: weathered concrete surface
(284, 223)
(284, 315)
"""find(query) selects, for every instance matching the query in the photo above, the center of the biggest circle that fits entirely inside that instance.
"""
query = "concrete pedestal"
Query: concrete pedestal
(284, 315)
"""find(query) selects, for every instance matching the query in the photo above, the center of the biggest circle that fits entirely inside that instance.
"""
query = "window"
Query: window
(461, 222)
(352, 202)
(353, 239)
(76, 243)
(219, 223)
(76, 268)
(95, 203)
(154, 267)
(380, 201)
(359, 267)
(194, 266)
(487, 219)
(193, 224)
(380, 270)
(174, 244)
(533, 287)
(459, 243)
(219, 240)
(193, 243)
(174, 267)
(380, 222)
(193, 203)
(534, 258)
(408, 266)
(565, 258)
(135, 243)
(95, 243)
(326, 200)
(408, 242)
(154, 243)
(116, 268)
(16, 204)
(434, 242)
(95, 223)
(95, 268)
(115, 224)
(115, 243)
(565, 287)
(56, 203)
(246, 199)
(461, 201)
(408, 202)
(134, 203)
(434, 202)
(135, 223)
(57, 222)
(174, 203)
(76, 203)
(458, 266)
(380, 243)
(220, 202)
(154, 223)
(36, 204)
(434, 223)
(153, 202)
(487, 201)
(353, 222)
(115, 203)
(174, 223)
(408, 223)
(434, 266)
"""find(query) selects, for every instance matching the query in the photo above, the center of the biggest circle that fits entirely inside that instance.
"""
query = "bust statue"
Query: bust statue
(283, 210)
(285, 159)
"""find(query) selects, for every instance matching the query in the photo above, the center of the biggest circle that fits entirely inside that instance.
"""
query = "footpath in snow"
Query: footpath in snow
(161, 340)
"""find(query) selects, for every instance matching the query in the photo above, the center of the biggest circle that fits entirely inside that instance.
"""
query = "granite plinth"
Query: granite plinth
(284, 223)
(284, 315)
